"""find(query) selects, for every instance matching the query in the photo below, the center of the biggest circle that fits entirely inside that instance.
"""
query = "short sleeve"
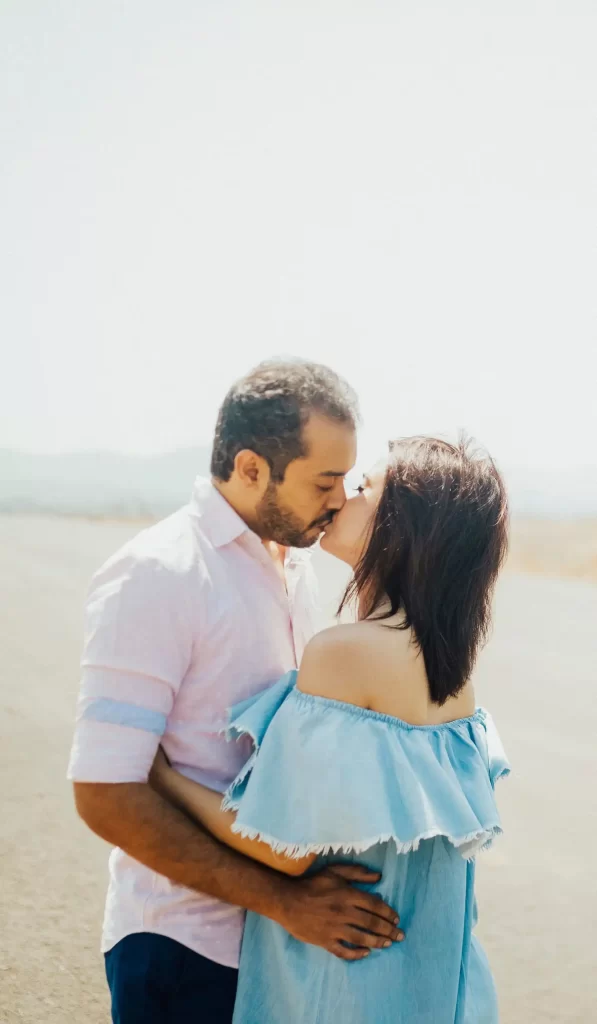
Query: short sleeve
(137, 650)
(327, 777)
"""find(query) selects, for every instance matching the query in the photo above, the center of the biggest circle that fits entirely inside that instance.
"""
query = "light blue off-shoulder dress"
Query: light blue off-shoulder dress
(414, 802)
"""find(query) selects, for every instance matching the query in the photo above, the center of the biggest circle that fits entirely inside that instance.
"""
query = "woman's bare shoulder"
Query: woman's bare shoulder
(377, 667)
(339, 662)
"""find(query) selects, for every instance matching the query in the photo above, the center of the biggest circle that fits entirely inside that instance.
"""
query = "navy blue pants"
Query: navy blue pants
(154, 980)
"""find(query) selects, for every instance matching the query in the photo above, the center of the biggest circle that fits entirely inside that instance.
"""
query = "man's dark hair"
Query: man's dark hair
(267, 410)
(436, 544)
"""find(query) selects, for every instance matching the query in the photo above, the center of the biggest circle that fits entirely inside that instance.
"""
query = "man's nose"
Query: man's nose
(337, 497)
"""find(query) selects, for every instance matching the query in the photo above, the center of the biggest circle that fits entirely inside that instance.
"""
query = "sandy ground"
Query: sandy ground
(566, 547)
(537, 891)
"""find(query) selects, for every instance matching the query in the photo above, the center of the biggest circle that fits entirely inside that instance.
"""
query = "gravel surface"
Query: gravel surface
(537, 891)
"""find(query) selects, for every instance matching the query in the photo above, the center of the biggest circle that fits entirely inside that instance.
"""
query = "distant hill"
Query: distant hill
(99, 483)
(558, 493)
(129, 486)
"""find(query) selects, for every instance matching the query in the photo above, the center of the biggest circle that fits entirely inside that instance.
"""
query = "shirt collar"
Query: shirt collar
(297, 557)
(220, 522)
(223, 525)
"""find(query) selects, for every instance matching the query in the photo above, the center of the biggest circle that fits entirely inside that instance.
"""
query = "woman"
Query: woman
(375, 753)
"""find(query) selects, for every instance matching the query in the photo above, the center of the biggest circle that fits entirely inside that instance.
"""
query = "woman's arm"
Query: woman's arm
(205, 806)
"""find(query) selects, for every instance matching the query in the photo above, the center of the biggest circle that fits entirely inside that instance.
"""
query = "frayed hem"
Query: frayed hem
(469, 846)
(503, 773)
(231, 732)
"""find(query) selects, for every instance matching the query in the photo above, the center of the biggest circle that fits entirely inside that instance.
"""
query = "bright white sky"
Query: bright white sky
(407, 194)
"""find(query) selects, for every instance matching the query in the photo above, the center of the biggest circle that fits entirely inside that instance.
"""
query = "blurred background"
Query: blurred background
(405, 191)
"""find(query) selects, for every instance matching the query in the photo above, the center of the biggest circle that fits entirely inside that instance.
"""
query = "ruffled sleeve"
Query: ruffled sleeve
(326, 777)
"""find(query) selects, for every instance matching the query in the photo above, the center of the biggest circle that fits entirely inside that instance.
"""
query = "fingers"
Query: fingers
(368, 901)
(345, 953)
(380, 930)
(360, 944)
(375, 905)
(357, 937)
(355, 873)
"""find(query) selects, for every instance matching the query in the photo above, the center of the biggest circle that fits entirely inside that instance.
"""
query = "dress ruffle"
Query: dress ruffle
(328, 777)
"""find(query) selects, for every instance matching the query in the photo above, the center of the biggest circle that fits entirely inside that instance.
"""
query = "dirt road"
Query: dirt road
(537, 890)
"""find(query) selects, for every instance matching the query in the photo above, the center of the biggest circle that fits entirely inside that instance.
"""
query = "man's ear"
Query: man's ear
(252, 470)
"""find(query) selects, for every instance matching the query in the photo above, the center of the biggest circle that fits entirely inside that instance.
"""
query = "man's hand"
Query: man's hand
(326, 910)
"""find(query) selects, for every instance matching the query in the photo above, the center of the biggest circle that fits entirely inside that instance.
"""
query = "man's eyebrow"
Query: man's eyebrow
(333, 472)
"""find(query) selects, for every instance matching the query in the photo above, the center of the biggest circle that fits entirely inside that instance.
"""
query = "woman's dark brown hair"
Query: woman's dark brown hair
(436, 544)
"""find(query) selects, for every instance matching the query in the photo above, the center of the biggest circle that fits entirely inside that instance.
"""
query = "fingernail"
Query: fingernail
(386, 944)
(400, 936)
(396, 920)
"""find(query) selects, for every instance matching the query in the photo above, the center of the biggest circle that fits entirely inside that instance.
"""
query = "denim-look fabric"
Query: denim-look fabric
(413, 802)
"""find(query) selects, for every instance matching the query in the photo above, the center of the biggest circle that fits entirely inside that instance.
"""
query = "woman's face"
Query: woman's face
(346, 537)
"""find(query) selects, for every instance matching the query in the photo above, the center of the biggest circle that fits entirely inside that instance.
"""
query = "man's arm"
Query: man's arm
(204, 805)
(135, 818)
(325, 910)
(141, 624)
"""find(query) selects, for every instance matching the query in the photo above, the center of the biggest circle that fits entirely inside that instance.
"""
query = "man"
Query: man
(195, 614)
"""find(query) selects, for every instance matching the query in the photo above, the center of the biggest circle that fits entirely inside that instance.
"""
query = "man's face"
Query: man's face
(294, 513)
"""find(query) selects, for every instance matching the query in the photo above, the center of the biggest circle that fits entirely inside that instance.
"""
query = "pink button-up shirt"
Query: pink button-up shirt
(189, 618)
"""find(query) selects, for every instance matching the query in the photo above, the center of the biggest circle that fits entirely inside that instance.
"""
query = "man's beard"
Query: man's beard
(282, 526)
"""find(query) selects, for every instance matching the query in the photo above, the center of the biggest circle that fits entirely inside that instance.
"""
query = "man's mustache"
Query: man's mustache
(324, 521)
